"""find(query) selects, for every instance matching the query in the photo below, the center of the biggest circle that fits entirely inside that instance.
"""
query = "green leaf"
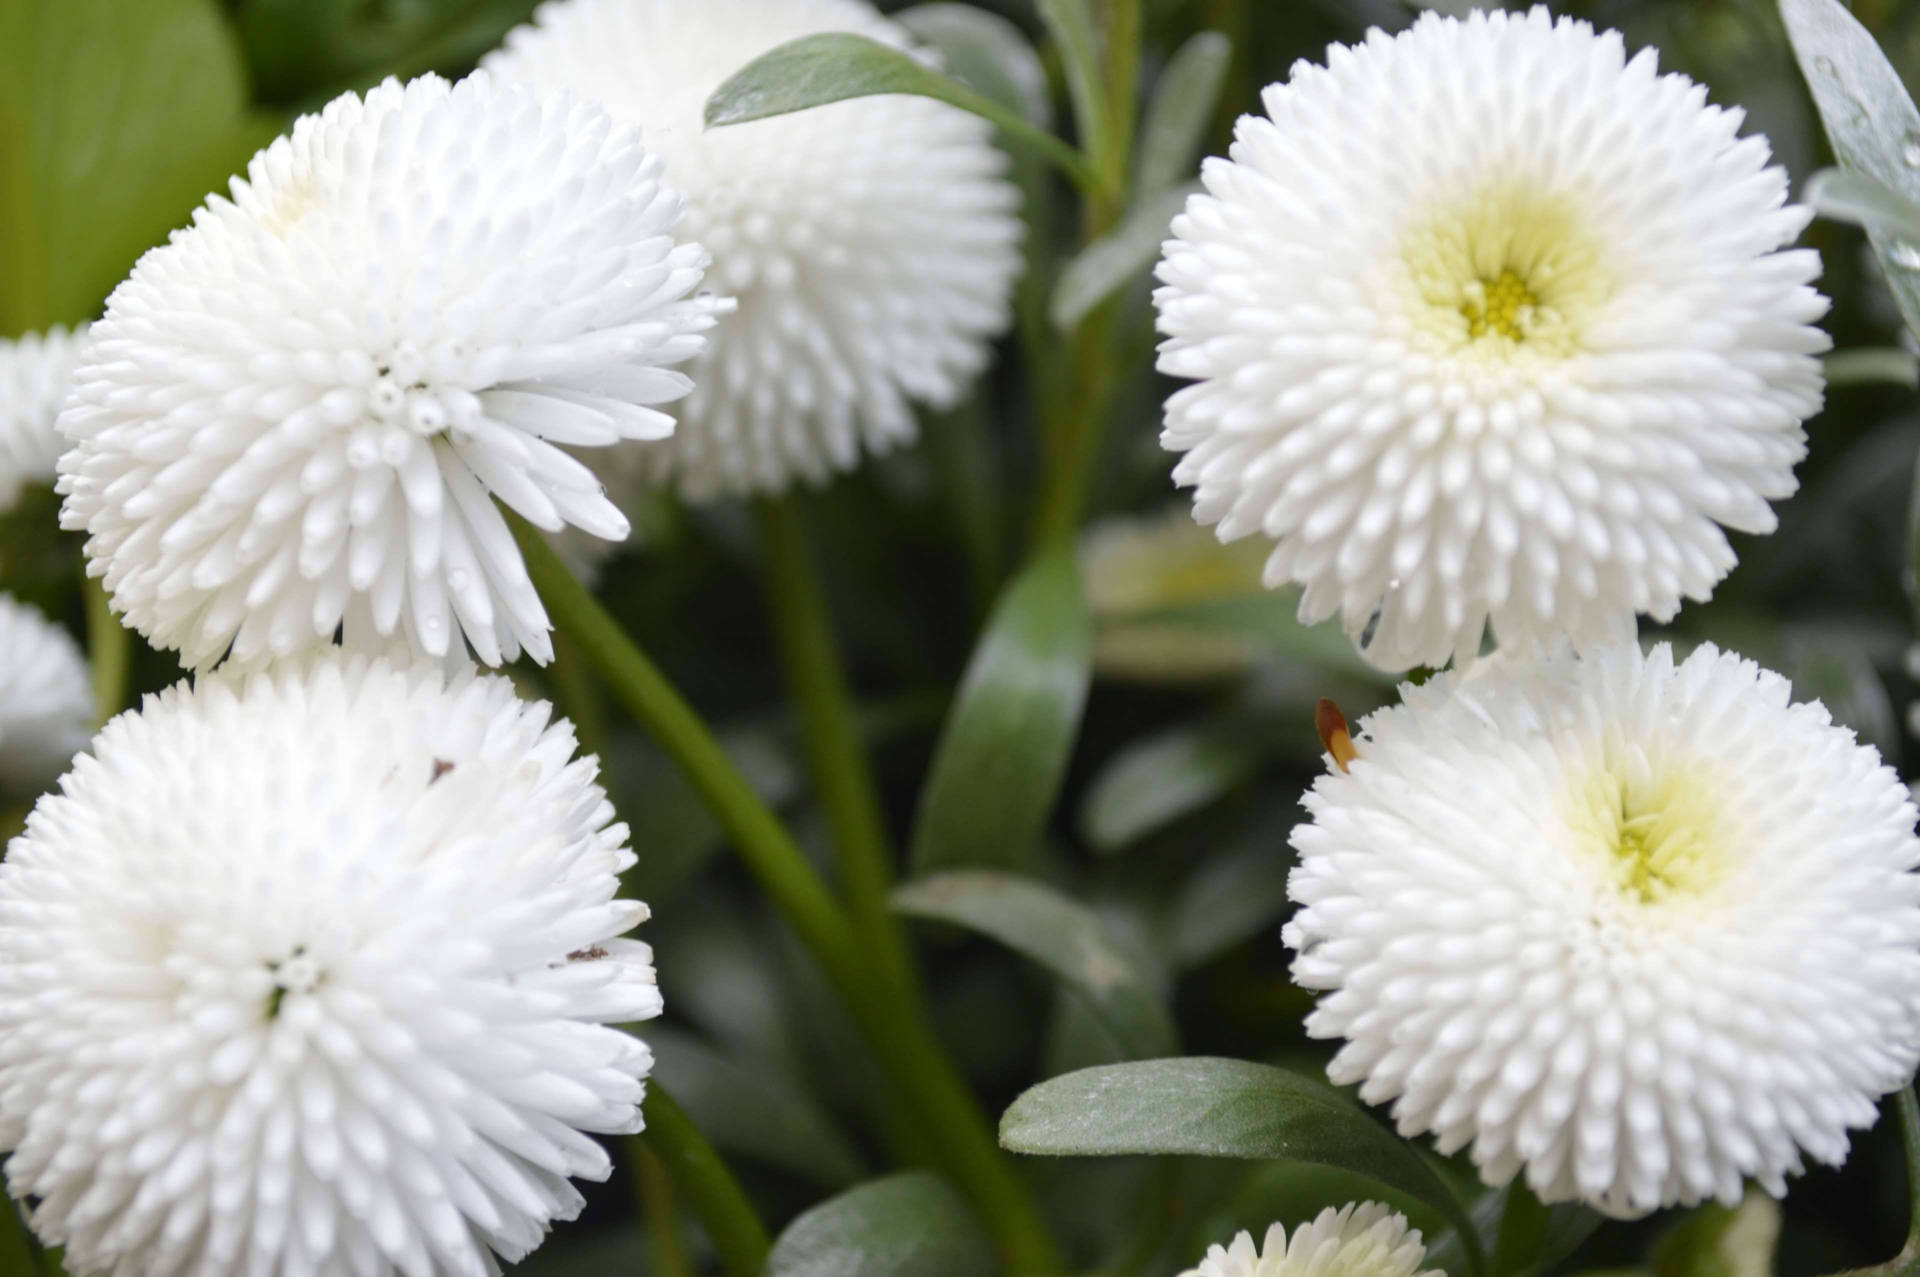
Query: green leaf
(1234, 894)
(836, 65)
(752, 1110)
(1070, 24)
(1116, 258)
(1872, 365)
(1216, 1108)
(1003, 752)
(1869, 118)
(1722, 1241)
(116, 119)
(1158, 779)
(1060, 934)
(985, 52)
(1182, 105)
(909, 1225)
(1567, 1225)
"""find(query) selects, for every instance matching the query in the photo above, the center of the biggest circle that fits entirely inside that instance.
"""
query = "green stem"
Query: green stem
(836, 758)
(1123, 85)
(716, 1197)
(898, 1034)
(1077, 430)
(659, 1210)
(109, 650)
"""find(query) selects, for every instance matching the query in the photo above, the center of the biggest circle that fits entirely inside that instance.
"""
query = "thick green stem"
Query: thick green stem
(716, 1197)
(659, 1211)
(898, 1034)
(109, 650)
(836, 758)
(1076, 430)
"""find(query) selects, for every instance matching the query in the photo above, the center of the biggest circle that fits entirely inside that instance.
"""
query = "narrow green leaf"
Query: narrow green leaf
(1869, 118)
(1873, 365)
(903, 1224)
(1234, 894)
(1567, 1225)
(1116, 258)
(1060, 934)
(1070, 24)
(116, 119)
(836, 65)
(1182, 106)
(985, 52)
(1209, 1107)
(751, 1110)
(1158, 779)
(1003, 752)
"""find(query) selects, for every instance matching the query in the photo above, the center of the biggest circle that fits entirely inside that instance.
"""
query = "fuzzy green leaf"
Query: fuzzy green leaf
(985, 52)
(1116, 258)
(1182, 105)
(1003, 752)
(1208, 1107)
(1060, 934)
(903, 1224)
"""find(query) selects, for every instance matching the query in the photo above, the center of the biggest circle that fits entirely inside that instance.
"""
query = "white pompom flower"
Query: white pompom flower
(315, 971)
(1490, 324)
(35, 371)
(872, 244)
(297, 414)
(1360, 1239)
(46, 698)
(1645, 930)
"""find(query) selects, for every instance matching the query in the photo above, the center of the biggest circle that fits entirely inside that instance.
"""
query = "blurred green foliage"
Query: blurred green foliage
(1170, 842)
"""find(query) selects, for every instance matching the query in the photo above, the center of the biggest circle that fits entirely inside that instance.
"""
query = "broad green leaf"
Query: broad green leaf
(1869, 118)
(1003, 752)
(985, 52)
(836, 65)
(753, 1110)
(307, 49)
(1216, 1108)
(1158, 779)
(1060, 934)
(1177, 118)
(1116, 258)
(116, 119)
(909, 1225)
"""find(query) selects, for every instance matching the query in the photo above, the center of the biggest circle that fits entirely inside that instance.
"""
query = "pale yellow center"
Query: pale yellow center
(1659, 840)
(1506, 274)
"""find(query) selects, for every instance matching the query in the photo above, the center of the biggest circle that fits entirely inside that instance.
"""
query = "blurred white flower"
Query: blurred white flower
(35, 371)
(312, 972)
(46, 698)
(872, 243)
(1490, 324)
(1644, 931)
(297, 414)
(1361, 1239)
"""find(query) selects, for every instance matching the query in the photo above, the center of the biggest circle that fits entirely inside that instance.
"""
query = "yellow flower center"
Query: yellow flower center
(1508, 273)
(1657, 839)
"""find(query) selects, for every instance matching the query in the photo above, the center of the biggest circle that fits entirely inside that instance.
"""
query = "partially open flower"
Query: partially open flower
(315, 971)
(46, 698)
(35, 371)
(1490, 324)
(1639, 930)
(297, 415)
(1361, 1239)
(872, 243)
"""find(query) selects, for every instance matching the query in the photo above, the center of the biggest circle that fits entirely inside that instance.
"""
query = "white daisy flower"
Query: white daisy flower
(35, 371)
(46, 698)
(298, 412)
(1644, 931)
(313, 972)
(872, 244)
(1361, 1239)
(1489, 323)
